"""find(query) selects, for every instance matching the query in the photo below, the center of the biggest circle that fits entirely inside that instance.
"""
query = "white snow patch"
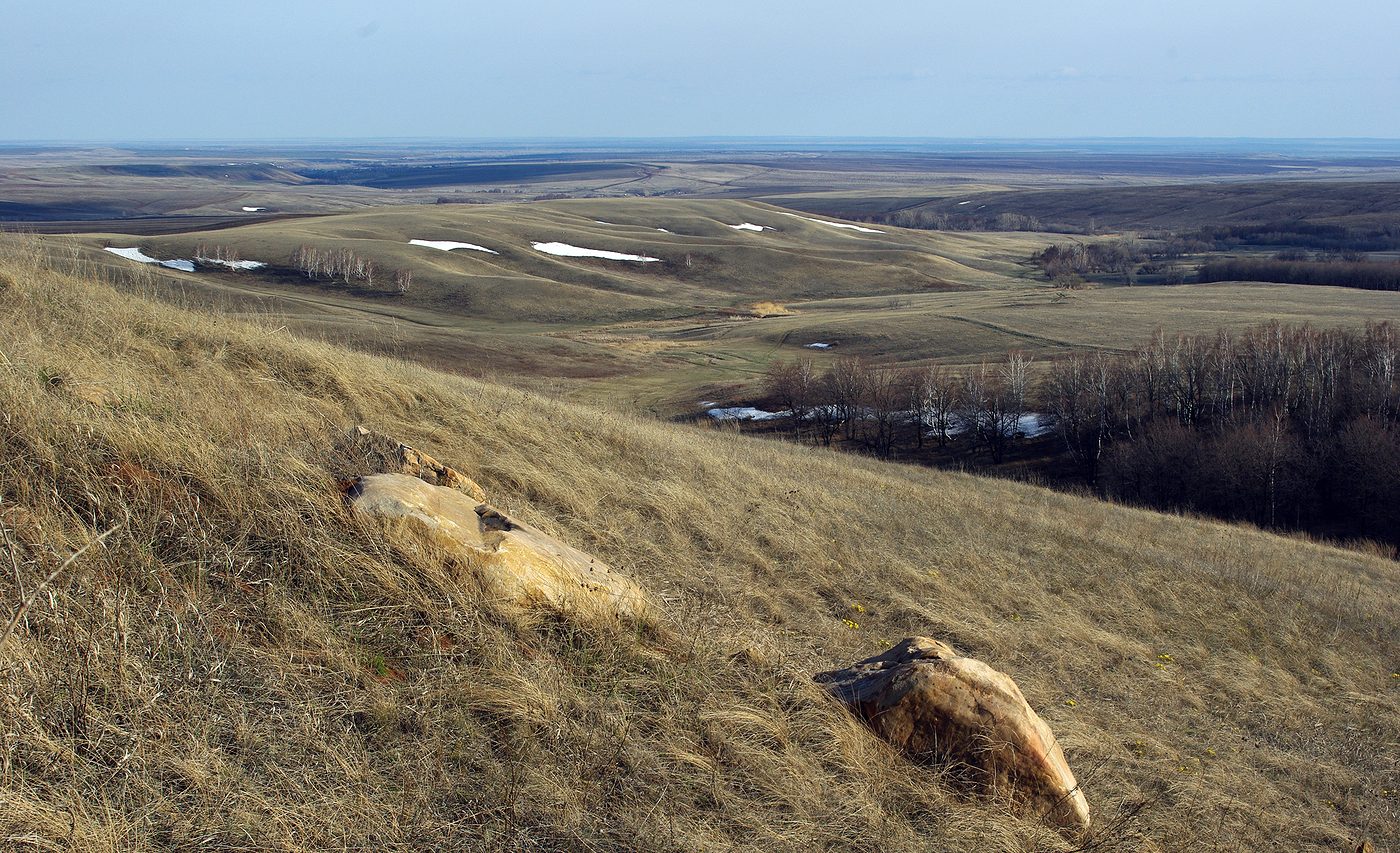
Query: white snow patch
(567, 251)
(744, 413)
(749, 226)
(253, 209)
(601, 222)
(705, 404)
(818, 345)
(1035, 424)
(663, 231)
(135, 254)
(449, 245)
(233, 265)
(969, 201)
(1029, 425)
(860, 228)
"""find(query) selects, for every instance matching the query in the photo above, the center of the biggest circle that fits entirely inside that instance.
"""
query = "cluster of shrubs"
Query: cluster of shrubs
(1066, 264)
(1105, 256)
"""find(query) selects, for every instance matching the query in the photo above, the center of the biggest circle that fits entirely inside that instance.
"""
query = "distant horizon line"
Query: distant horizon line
(749, 138)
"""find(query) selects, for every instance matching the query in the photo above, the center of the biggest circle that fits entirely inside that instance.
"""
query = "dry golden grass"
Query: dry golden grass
(245, 666)
(765, 308)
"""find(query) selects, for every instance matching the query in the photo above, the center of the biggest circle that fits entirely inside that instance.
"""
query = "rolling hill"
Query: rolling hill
(507, 308)
(703, 321)
(703, 258)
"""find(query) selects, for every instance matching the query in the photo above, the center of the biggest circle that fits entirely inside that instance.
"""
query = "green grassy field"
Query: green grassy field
(527, 314)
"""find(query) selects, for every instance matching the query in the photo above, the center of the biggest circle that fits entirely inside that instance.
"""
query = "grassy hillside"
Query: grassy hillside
(243, 665)
(662, 337)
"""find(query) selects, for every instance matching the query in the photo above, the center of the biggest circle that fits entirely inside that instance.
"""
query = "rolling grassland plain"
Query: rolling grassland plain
(209, 650)
(241, 663)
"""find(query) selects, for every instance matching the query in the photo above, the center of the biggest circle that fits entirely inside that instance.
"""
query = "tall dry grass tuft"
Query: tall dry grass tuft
(244, 665)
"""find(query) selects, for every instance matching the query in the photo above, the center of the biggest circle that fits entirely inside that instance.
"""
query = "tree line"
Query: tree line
(226, 254)
(1289, 427)
(1330, 237)
(1289, 269)
(925, 219)
(885, 409)
(1285, 426)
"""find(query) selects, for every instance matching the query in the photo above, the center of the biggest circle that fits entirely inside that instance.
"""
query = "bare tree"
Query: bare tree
(846, 388)
(1088, 396)
(886, 397)
(795, 386)
(994, 402)
(317, 264)
(933, 401)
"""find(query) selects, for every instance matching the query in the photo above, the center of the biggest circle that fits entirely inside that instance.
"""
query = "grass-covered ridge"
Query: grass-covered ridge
(244, 665)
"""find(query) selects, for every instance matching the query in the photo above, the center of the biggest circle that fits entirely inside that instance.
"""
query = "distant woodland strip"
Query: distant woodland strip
(1365, 275)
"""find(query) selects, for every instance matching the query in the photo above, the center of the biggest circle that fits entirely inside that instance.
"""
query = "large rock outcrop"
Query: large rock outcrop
(516, 560)
(389, 456)
(940, 707)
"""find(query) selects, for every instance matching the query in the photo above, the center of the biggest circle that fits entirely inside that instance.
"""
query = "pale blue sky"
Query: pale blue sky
(262, 69)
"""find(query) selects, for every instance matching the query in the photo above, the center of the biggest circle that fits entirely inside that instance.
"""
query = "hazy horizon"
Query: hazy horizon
(1086, 69)
(564, 142)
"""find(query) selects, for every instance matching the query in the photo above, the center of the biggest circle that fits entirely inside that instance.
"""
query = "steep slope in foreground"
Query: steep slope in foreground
(243, 665)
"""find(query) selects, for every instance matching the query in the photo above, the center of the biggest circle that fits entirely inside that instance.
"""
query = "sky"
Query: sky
(285, 69)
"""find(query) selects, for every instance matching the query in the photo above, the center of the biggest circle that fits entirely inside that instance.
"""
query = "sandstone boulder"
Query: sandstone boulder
(940, 707)
(517, 560)
(389, 456)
